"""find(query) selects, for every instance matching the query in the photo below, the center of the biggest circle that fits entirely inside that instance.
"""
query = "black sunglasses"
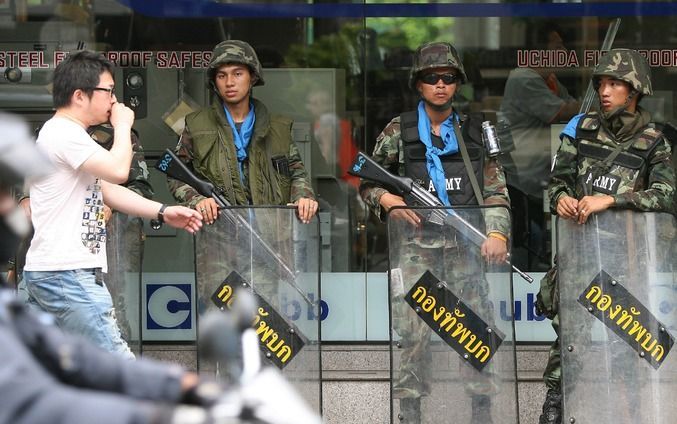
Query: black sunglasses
(110, 91)
(432, 79)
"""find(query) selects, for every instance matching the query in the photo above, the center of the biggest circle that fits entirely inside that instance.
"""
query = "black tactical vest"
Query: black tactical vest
(628, 171)
(459, 188)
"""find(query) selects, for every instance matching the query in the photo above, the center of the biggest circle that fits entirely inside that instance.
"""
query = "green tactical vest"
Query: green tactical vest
(628, 172)
(215, 157)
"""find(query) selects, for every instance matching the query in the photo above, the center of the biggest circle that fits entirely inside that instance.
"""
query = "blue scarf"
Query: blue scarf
(242, 137)
(432, 153)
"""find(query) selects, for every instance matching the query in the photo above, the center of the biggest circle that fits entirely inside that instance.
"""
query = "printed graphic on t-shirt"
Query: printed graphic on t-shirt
(93, 225)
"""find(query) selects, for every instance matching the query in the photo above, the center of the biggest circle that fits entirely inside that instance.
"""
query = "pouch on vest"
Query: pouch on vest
(281, 165)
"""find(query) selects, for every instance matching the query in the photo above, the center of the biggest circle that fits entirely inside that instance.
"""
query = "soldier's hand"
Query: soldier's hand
(593, 204)
(183, 217)
(208, 209)
(389, 200)
(121, 116)
(306, 209)
(567, 207)
(494, 250)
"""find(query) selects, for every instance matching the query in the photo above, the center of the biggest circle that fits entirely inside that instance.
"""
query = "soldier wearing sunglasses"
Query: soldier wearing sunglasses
(423, 145)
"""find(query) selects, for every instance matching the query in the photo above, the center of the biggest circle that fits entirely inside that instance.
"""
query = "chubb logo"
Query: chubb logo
(169, 306)
(531, 314)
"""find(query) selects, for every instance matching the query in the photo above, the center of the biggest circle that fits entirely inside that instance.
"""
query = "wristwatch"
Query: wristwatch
(156, 224)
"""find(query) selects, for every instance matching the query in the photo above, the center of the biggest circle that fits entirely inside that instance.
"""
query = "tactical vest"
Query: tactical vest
(215, 157)
(459, 187)
(628, 172)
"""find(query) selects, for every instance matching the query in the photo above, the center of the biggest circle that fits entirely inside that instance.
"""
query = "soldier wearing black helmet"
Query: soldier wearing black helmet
(613, 158)
(238, 145)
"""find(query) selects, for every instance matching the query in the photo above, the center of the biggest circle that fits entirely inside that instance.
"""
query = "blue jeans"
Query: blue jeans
(80, 303)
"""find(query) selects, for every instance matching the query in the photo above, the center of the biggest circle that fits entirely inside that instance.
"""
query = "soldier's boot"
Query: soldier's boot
(481, 410)
(552, 408)
(410, 410)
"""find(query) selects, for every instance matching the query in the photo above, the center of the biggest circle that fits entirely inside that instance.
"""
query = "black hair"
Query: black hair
(78, 71)
(539, 34)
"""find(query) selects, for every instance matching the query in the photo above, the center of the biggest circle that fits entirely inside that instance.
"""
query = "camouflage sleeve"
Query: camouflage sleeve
(300, 184)
(496, 193)
(389, 154)
(183, 193)
(658, 196)
(138, 173)
(564, 172)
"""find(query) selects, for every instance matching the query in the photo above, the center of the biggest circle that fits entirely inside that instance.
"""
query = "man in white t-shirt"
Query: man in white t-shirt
(68, 251)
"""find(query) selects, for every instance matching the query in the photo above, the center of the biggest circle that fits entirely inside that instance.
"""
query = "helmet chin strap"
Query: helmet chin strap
(619, 110)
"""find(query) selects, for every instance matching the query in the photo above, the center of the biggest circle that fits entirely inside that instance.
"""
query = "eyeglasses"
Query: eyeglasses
(432, 79)
(111, 91)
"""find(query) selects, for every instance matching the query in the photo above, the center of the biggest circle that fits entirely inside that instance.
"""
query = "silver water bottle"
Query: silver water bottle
(490, 139)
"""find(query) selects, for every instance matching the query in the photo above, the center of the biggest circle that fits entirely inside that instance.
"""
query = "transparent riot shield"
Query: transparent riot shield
(270, 252)
(452, 355)
(124, 250)
(617, 318)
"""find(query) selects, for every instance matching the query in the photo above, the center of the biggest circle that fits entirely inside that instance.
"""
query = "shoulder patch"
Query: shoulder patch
(647, 139)
(102, 134)
(590, 123)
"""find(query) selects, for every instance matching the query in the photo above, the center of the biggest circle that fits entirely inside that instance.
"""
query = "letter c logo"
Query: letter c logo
(169, 306)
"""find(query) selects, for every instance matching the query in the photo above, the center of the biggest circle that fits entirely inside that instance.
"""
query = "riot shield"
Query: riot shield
(617, 320)
(124, 250)
(452, 354)
(270, 252)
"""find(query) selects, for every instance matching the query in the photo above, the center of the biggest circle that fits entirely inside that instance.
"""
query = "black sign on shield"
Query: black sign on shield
(279, 341)
(458, 325)
(607, 300)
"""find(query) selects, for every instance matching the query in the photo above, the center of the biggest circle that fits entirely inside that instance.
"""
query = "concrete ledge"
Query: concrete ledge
(355, 387)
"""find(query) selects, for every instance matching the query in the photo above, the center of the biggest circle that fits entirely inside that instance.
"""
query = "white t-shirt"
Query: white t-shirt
(67, 205)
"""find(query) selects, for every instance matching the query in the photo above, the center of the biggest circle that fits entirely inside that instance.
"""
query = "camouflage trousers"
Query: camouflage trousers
(550, 303)
(547, 303)
(224, 247)
(462, 270)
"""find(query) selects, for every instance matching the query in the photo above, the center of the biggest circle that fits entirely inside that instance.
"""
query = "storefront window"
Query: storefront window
(340, 70)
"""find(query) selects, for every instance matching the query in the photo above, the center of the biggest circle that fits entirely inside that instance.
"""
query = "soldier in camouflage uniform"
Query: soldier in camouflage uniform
(428, 157)
(245, 151)
(614, 158)
(125, 237)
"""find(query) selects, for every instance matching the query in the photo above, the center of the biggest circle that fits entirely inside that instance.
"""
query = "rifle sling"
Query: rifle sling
(468, 166)
(603, 166)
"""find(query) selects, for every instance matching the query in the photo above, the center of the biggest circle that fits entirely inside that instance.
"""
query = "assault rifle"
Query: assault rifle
(172, 166)
(365, 167)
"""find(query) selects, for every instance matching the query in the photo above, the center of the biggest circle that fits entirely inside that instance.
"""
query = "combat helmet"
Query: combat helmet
(236, 51)
(625, 65)
(435, 55)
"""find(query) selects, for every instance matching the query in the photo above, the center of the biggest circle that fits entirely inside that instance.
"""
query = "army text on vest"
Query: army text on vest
(628, 172)
(459, 187)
